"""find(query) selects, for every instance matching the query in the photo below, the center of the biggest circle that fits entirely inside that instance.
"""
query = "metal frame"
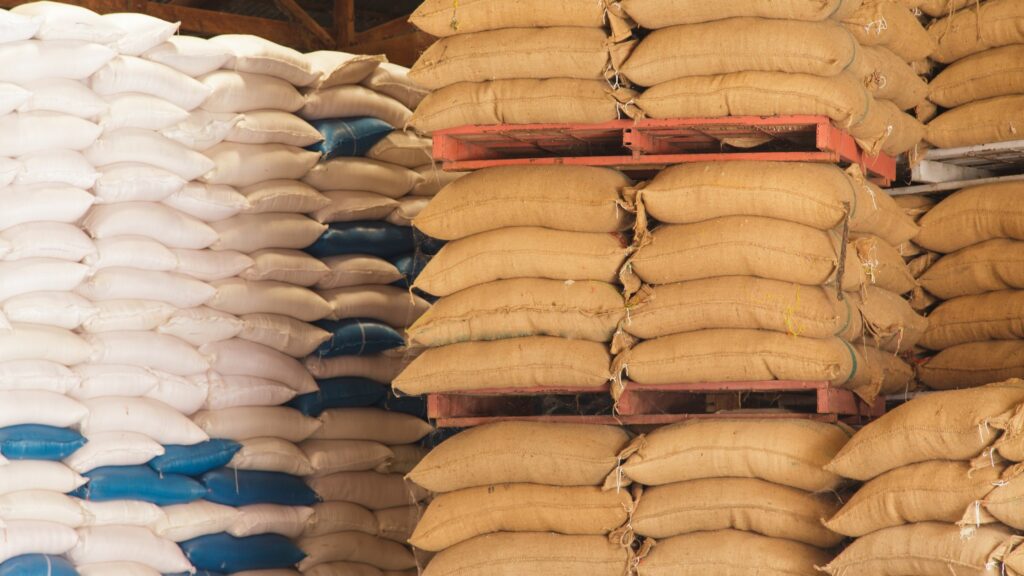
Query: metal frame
(945, 169)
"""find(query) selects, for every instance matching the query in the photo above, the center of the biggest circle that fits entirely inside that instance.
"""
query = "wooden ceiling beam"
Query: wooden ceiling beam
(345, 22)
(293, 10)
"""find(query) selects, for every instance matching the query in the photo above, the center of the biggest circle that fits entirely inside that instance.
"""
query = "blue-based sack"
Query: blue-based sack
(427, 244)
(38, 442)
(349, 136)
(197, 459)
(139, 483)
(340, 393)
(357, 337)
(410, 265)
(412, 405)
(244, 487)
(200, 573)
(225, 553)
(373, 238)
(37, 565)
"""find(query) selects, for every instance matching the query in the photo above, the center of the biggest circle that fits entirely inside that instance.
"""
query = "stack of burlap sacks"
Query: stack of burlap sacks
(942, 487)
(981, 91)
(769, 271)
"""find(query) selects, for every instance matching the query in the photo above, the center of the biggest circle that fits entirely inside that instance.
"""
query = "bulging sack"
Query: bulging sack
(352, 102)
(985, 121)
(441, 18)
(978, 318)
(731, 552)
(243, 92)
(891, 24)
(971, 216)
(973, 364)
(967, 32)
(984, 267)
(989, 74)
(532, 553)
(654, 14)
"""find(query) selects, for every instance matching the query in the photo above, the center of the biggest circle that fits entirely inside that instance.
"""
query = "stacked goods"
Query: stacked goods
(918, 259)
(976, 330)
(527, 281)
(982, 88)
(374, 178)
(749, 277)
(939, 496)
(845, 59)
(519, 63)
(736, 496)
(526, 498)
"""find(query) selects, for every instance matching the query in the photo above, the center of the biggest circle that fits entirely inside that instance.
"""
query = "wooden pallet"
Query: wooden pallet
(649, 145)
(642, 405)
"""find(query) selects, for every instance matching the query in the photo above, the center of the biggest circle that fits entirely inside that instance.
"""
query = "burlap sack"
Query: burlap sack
(532, 362)
(890, 323)
(522, 307)
(458, 516)
(893, 25)
(957, 425)
(370, 490)
(935, 491)
(736, 503)
(973, 364)
(332, 456)
(992, 24)
(514, 53)
(788, 452)
(731, 553)
(523, 253)
(559, 100)
(332, 517)
(888, 77)
(354, 547)
(915, 205)
(532, 553)
(974, 215)
(886, 368)
(570, 198)
(989, 74)
(522, 452)
(940, 8)
(984, 122)
(924, 548)
(903, 131)
(989, 316)
(745, 246)
(815, 195)
(446, 18)
(743, 302)
(655, 14)
(881, 265)
(404, 458)
(1003, 501)
(371, 424)
(739, 45)
(397, 524)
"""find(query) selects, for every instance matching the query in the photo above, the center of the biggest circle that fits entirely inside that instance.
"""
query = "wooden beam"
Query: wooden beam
(296, 12)
(398, 27)
(345, 22)
(404, 49)
(189, 3)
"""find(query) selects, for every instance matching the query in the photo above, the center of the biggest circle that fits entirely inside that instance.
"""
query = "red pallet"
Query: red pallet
(649, 145)
(647, 405)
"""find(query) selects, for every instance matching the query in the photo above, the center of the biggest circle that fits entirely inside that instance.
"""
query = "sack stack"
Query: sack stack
(975, 330)
(375, 177)
(941, 487)
(769, 271)
(981, 90)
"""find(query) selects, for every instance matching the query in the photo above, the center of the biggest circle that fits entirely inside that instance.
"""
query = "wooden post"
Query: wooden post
(345, 22)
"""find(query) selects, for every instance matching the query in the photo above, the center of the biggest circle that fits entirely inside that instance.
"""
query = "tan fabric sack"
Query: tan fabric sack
(890, 323)
(397, 524)
(739, 45)
(924, 548)
(987, 266)
(957, 425)
(558, 100)
(522, 452)
(888, 77)
(404, 458)
(391, 305)
(744, 246)
(973, 364)
(332, 456)
(355, 205)
(371, 424)
(523, 253)
(570, 198)
(992, 24)
(522, 307)
(370, 490)
(1003, 502)
(934, 491)
(407, 149)
(894, 375)
(531, 362)
(742, 302)
(974, 215)
(736, 503)
(787, 452)
(882, 265)
(654, 14)
(731, 553)
(444, 18)
(989, 316)
(893, 25)
(532, 553)
(984, 122)
(355, 547)
(903, 131)
(940, 8)
(989, 74)
(459, 516)
(514, 53)
(915, 205)
(333, 517)
(377, 367)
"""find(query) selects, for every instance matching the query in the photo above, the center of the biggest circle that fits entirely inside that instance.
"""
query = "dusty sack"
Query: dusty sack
(973, 364)
(532, 553)
(893, 25)
(1003, 502)
(531, 362)
(570, 198)
(654, 14)
(519, 308)
(973, 215)
(888, 77)
(371, 490)
(994, 24)
(882, 265)
(890, 323)
(978, 318)
(988, 74)
(459, 516)
(986, 121)
(442, 18)
(736, 503)
(557, 455)
(731, 553)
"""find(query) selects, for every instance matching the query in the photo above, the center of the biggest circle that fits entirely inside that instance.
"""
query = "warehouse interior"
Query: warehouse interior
(511, 288)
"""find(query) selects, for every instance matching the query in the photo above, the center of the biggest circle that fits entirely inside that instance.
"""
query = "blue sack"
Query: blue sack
(356, 337)
(38, 442)
(410, 265)
(200, 573)
(197, 459)
(225, 553)
(427, 244)
(244, 487)
(412, 405)
(340, 393)
(139, 483)
(349, 136)
(373, 238)
(37, 565)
